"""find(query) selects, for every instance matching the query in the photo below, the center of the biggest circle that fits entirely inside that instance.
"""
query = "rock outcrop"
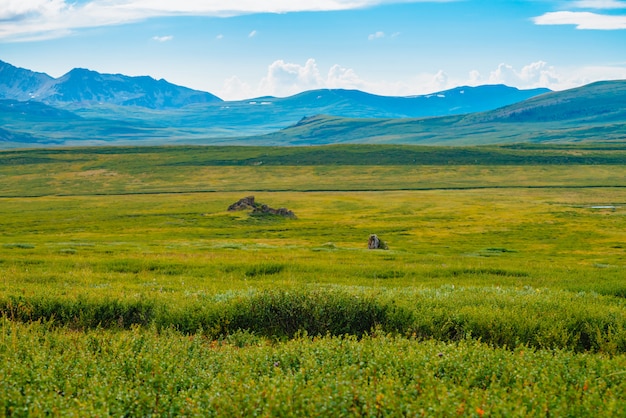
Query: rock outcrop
(375, 243)
(260, 208)
(243, 204)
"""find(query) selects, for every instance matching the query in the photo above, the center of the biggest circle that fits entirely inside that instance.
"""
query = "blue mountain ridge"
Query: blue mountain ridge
(81, 88)
(85, 107)
(86, 87)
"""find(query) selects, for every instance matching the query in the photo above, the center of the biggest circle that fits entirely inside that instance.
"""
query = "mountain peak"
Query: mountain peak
(85, 86)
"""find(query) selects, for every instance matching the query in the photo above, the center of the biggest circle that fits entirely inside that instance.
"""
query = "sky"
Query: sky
(240, 49)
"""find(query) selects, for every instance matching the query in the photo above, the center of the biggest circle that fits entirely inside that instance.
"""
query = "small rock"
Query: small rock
(260, 208)
(375, 243)
(243, 204)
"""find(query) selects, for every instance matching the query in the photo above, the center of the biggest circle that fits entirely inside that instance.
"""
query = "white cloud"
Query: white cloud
(252, 34)
(344, 78)
(235, 89)
(541, 74)
(574, 77)
(376, 35)
(40, 19)
(219, 37)
(536, 74)
(163, 38)
(23, 9)
(599, 4)
(474, 78)
(582, 20)
(284, 79)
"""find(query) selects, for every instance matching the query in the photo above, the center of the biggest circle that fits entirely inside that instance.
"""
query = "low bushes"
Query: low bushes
(499, 317)
(146, 372)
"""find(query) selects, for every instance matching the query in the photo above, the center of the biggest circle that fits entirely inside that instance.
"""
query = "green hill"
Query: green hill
(592, 113)
(596, 112)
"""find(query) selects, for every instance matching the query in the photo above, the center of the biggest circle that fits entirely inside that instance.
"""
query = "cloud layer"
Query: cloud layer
(43, 19)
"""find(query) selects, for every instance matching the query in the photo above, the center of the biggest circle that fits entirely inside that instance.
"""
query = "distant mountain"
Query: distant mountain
(355, 103)
(86, 87)
(85, 107)
(20, 84)
(82, 89)
(595, 112)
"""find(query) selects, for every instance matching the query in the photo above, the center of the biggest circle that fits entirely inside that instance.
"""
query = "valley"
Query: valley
(502, 287)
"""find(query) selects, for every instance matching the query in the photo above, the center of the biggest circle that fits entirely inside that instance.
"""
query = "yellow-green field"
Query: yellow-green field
(127, 288)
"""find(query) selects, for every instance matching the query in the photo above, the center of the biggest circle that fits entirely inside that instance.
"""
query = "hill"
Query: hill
(603, 101)
(31, 110)
(593, 112)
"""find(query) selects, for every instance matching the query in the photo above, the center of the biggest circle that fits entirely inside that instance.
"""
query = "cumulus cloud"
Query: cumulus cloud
(376, 35)
(162, 38)
(474, 78)
(541, 74)
(37, 19)
(284, 78)
(235, 89)
(344, 78)
(536, 74)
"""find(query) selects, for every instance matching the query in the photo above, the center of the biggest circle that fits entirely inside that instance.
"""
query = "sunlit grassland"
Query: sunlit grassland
(189, 242)
(128, 288)
(227, 169)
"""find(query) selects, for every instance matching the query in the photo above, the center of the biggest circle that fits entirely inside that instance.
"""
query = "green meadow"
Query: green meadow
(128, 289)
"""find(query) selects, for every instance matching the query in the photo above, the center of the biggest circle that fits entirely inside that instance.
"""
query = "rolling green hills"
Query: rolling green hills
(592, 113)
(596, 112)
(211, 123)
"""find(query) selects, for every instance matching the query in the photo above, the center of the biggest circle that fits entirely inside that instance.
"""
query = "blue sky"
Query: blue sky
(240, 49)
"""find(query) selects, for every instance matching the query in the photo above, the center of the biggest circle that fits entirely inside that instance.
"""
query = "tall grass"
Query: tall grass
(499, 317)
(142, 372)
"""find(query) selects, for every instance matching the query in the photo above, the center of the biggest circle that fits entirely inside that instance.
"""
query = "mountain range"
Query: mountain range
(85, 87)
(595, 112)
(85, 107)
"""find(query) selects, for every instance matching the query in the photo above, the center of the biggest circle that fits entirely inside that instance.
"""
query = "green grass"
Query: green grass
(144, 170)
(138, 293)
(142, 372)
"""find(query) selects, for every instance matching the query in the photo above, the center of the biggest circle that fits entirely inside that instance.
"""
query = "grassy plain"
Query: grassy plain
(126, 288)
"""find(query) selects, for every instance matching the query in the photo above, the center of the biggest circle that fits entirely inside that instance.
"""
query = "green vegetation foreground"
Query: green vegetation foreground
(131, 290)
